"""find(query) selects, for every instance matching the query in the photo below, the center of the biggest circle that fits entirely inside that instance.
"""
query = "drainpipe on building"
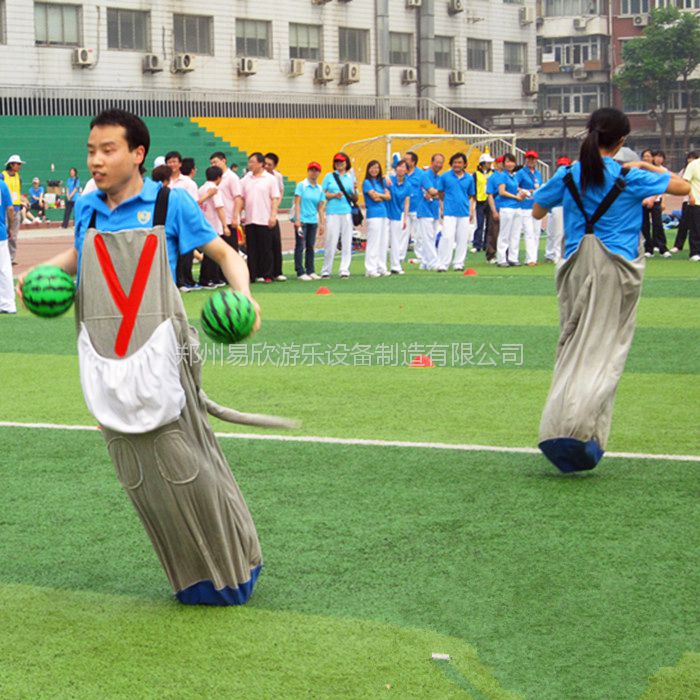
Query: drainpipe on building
(426, 49)
(381, 11)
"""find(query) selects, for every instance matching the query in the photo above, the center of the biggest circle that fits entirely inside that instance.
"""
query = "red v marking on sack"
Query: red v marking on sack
(128, 305)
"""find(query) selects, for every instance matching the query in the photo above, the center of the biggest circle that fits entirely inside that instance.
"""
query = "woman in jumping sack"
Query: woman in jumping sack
(598, 283)
(339, 189)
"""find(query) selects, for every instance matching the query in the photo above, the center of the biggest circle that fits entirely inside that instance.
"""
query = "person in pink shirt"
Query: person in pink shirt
(212, 206)
(260, 198)
(230, 189)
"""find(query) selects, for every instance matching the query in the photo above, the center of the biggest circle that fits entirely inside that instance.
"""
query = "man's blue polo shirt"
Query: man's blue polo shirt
(5, 202)
(185, 225)
(529, 180)
(425, 208)
(457, 191)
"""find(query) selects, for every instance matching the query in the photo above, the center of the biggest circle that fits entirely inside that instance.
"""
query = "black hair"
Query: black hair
(213, 172)
(692, 154)
(606, 127)
(434, 156)
(273, 157)
(414, 156)
(187, 166)
(173, 154)
(646, 150)
(161, 174)
(346, 161)
(457, 156)
(401, 162)
(75, 170)
(369, 165)
(510, 157)
(659, 153)
(136, 131)
(218, 154)
(258, 156)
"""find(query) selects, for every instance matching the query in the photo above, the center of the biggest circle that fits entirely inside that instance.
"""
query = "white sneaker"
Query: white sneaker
(259, 279)
(694, 258)
(385, 273)
(325, 276)
(648, 255)
(344, 275)
(304, 278)
(280, 278)
(667, 254)
(473, 250)
(492, 261)
(656, 249)
(314, 276)
(370, 274)
(674, 249)
(442, 269)
(458, 268)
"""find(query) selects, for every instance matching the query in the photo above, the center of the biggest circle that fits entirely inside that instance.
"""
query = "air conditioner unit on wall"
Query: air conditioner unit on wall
(83, 57)
(324, 73)
(527, 15)
(151, 63)
(247, 66)
(580, 24)
(183, 62)
(456, 78)
(296, 67)
(455, 6)
(640, 20)
(409, 75)
(530, 84)
(350, 73)
(413, 3)
(319, 2)
(580, 73)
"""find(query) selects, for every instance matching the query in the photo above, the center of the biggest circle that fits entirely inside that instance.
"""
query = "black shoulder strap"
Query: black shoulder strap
(342, 189)
(607, 202)
(161, 209)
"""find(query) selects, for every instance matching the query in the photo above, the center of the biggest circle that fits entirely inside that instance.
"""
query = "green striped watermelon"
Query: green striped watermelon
(228, 316)
(48, 291)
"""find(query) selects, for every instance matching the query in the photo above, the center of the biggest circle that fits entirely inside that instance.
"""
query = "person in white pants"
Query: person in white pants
(7, 290)
(397, 210)
(508, 203)
(415, 178)
(555, 225)
(459, 211)
(428, 212)
(376, 196)
(338, 215)
(529, 181)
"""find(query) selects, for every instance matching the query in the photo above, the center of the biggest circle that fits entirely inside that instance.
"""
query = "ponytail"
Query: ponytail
(606, 127)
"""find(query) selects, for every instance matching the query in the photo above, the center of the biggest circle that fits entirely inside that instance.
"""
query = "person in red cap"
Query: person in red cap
(309, 220)
(529, 180)
(555, 224)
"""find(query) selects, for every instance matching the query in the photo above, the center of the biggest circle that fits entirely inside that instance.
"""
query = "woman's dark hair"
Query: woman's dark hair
(646, 150)
(162, 174)
(401, 162)
(213, 172)
(379, 177)
(510, 157)
(74, 170)
(659, 153)
(691, 156)
(606, 127)
(136, 131)
(347, 159)
(457, 156)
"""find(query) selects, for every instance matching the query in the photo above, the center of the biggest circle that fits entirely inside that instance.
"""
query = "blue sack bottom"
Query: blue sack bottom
(204, 593)
(572, 455)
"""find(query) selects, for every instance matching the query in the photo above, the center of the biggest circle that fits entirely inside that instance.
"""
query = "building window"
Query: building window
(640, 7)
(253, 38)
(353, 45)
(56, 25)
(305, 41)
(193, 34)
(573, 51)
(688, 4)
(514, 57)
(128, 30)
(443, 52)
(573, 8)
(573, 99)
(479, 54)
(400, 49)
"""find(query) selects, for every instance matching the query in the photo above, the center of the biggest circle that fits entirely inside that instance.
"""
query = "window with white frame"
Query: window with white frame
(514, 57)
(443, 52)
(479, 54)
(688, 4)
(574, 50)
(573, 99)
(573, 8)
(353, 45)
(305, 41)
(193, 34)
(3, 37)
(253, 38)
(128, 30)
(56, 25)
(400, 49)
(640, 7)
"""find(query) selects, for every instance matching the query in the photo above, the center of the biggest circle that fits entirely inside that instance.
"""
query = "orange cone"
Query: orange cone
(422, 361)
(470, 272)
(323, 291)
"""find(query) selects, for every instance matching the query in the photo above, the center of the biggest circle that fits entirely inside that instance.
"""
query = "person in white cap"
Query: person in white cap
(14, 183)
(481, 178)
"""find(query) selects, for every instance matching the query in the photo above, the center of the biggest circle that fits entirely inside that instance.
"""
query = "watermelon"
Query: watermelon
(48, 291)
(228, 316)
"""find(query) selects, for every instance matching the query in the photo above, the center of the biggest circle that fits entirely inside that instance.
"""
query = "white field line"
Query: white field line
(371, 443)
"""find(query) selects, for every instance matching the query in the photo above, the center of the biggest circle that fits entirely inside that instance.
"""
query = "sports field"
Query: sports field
(376, 556)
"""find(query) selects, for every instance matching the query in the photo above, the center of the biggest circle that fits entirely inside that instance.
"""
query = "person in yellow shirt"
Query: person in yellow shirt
(483, 212)
(14, 183)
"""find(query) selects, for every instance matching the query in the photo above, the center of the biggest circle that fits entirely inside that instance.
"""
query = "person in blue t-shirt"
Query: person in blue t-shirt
(398, 212)
(414, 176)
(376, 196)
(529, 180)
(508, 202)
(72, 194)
(339, 188)
(458, 193)
(36, 199)
(428, 213)
(598, 284)
(309, 208)
(7, 290)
